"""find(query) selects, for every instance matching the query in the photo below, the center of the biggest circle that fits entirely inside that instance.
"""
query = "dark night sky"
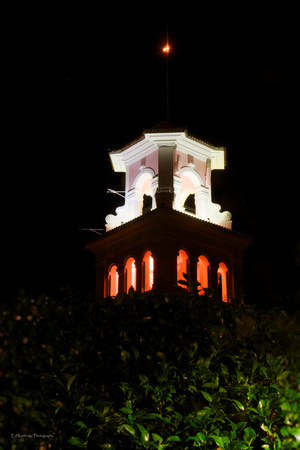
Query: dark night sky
(82, 79)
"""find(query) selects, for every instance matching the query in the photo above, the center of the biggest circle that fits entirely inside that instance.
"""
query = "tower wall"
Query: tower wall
(164, 232)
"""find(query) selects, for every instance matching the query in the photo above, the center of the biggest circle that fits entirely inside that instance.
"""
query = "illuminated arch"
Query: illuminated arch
(182, 264)
(130, 274)
(142, 181)
(113, 280)
(142, 187)
(190, 184)
(148, 271)
(203, 268)
(223, 273)
(191, 173)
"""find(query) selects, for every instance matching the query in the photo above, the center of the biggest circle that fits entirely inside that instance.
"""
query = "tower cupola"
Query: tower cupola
(168, 167)
(168, 225)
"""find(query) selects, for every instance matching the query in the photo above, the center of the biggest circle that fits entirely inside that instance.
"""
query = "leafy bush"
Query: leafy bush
(148, 371)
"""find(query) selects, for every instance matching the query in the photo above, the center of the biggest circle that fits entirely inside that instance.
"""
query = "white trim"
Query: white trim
(195, 177)
(139, 176)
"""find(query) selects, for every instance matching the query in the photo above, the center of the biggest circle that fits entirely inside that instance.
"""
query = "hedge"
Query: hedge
(148, 371)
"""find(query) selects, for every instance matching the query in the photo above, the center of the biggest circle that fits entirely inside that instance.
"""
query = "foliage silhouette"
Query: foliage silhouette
(148, 371)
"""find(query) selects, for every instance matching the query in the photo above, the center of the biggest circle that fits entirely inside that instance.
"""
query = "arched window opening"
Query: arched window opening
(148, 271)
(147, 203)
(223, 282)
(113, 281)
(130, 274)
(189, 204)
(203, 272)
(182, 265)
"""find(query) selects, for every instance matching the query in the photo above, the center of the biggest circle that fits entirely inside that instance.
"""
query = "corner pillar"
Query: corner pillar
(165, 263)
(139, 271)
(165, 191)
(214, 278)
(193, 268)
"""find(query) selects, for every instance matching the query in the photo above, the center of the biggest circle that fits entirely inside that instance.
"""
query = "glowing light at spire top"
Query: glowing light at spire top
(166, 49)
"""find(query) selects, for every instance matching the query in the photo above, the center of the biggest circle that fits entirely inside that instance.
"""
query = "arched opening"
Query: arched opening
(147, 203)
(148, 271)
(130, 274)
(143, 191)
(223, 282)
(189, 204)
(203, 272)
(113, 281)
(188, 195)
(182, 265)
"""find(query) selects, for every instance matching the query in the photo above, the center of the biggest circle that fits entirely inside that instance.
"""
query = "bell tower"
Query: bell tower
(169, 165)
(168, 224)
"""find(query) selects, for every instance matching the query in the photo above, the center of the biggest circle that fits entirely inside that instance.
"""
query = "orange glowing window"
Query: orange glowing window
(113, 281)
(182, 265)
(130, 274)
(148, 271)
(223, 282)
(203, 272)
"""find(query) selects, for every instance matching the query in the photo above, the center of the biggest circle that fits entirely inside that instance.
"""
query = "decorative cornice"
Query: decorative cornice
(157, 211)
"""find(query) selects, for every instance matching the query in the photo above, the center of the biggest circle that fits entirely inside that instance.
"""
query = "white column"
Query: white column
(165, 191)
(202, 200)
(133, 204)
(177, 192)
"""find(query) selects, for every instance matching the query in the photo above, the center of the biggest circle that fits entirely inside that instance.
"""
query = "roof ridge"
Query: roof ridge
(165, 125)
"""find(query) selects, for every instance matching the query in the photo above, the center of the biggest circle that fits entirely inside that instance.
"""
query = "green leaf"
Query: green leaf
(277, 445)
(240, 426)
(255, 365)
(128, 428)
(106, 409)
(126, 410)
(285, 406)
(91, 408)
(263, 405)
(221, 441)
(270, 359)
(252, 409)
(144, 433)
(192, 388)
(201, 437)
(210, 385)
(143, 379)
(77, 442)
(81, 424)
(224, 370)
(203, 414)
(238, 404)
(157, 438)
(136, 352)
(207, 396)
(285, 431)
(283, 375)
(70, 381)
(249, 435)
(152, 416)
(263, 369)
(173, 439)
